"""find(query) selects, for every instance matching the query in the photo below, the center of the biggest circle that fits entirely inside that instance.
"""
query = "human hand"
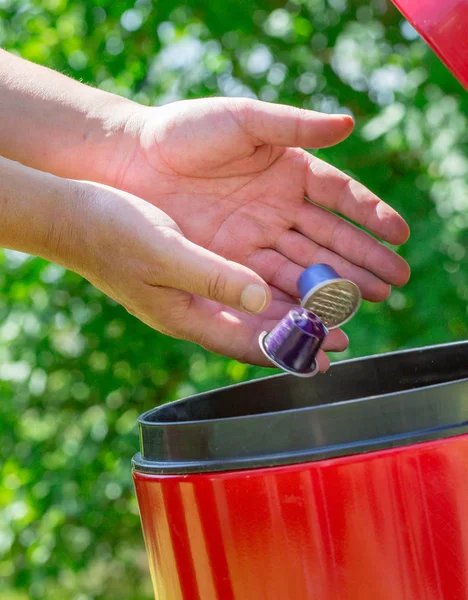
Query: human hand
(232, 174)
(137, 255)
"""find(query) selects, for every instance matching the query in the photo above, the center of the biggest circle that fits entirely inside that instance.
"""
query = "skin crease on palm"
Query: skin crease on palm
(234, 177)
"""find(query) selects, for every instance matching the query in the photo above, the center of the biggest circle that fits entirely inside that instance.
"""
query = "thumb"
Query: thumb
(196, 270)
(283, 125)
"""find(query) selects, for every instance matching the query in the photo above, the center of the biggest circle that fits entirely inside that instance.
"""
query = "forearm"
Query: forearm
(37, 211)
(56, 124)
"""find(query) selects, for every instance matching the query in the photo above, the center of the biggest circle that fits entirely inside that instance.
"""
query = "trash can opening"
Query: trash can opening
(348, 380)
(360, 405)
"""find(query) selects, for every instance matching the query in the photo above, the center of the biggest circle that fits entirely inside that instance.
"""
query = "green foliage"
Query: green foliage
(76, 369)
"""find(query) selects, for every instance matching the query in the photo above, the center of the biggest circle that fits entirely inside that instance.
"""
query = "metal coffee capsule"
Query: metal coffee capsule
(333, 299)
(294, 343)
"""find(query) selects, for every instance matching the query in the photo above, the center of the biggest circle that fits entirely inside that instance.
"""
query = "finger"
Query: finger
(275, 312)
(196, 270)
(278, 294)
(346, 240)
(337, 191)
(236, 335)
(284, 270)
(282, 125)
(336, 341)
(323, 361)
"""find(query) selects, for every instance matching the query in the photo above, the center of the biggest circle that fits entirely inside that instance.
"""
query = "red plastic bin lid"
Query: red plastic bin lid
(444, 26)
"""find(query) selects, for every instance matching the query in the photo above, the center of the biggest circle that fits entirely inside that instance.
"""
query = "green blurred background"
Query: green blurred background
(76, 369)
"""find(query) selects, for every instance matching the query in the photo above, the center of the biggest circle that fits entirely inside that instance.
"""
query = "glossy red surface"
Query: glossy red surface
(443, 24)
(388, 525)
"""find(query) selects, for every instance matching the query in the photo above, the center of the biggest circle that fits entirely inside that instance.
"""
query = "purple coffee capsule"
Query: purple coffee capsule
(333, 299)
(293, 344)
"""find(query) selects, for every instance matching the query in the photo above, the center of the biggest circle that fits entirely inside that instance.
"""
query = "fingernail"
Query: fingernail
(253, 298)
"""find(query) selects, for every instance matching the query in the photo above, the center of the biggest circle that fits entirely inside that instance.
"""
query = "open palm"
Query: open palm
(233, 175)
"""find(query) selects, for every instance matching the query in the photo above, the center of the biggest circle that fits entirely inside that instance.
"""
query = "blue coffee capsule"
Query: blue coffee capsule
(333, 299)
(294, 343)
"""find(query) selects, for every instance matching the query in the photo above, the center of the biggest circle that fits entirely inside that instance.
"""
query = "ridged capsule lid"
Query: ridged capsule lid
(331, 298)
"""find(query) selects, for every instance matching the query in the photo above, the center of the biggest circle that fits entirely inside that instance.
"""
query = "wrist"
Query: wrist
(56, 124)
(38, 215)
(109, 139)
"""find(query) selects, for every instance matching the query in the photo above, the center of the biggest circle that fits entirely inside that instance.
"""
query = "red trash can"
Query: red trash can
(349, 486)
(443, 25)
